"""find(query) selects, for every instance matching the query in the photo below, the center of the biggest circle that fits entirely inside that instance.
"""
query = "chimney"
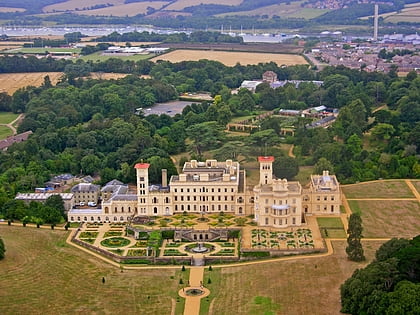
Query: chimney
(164, 177)
(375, 23)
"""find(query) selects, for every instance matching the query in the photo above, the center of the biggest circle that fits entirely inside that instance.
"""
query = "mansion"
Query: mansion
(213, 187)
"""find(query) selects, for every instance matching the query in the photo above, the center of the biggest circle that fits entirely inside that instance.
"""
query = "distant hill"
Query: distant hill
(199, 13)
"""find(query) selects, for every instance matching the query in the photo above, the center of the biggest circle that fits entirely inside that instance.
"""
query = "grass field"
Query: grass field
(10, 82)
(331, 227)
(41, 274)
(98, 57)
(393, 218)
(5, 132)
(41, 50)
(7, 117)
(304, 286)
(381, 189)
(410, 13)
(231, 58)
(291, 10)
(181, 4)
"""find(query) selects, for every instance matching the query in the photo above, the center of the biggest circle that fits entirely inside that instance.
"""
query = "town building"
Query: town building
(213, 187)
(85, 193)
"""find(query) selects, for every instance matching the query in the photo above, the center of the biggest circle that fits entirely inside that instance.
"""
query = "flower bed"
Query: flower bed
(136, 252)
(173, 252)
(88, 234)
(140, 244)
(115, 242)
(112, 233)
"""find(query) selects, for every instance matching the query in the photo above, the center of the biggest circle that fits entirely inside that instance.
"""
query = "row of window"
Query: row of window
(204, 189)
(121, 210)
(280, 202)
(279, 221)
(92, 219)
(279, 212)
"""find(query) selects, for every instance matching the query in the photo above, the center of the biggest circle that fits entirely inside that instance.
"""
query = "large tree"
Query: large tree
(285, 167)
(354, 248)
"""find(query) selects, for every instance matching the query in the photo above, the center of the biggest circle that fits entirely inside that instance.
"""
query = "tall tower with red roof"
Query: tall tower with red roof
(142, 170)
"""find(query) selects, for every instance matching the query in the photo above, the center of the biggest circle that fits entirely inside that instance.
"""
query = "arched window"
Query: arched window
(71, 219)
(266, 221)
(99, 219)
(129, 209)
(121, 218)
(240, 210)
(106, 219)
(115, 219)
(155, 210)
(92, 219)
(122, 209)
(106, 210)
(78, 219)
(85, 219)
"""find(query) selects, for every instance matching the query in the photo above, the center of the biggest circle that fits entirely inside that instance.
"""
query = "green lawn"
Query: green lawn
(7, 117)
(42, 50)
(331, 227)
(330, 223)
(5, 132)
(97, 57)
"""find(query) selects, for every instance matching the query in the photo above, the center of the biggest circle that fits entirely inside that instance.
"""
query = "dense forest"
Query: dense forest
(87, 126)
(388, 285)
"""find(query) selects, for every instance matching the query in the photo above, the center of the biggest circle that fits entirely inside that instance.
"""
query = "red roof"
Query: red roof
(263, 159)
(142, 165)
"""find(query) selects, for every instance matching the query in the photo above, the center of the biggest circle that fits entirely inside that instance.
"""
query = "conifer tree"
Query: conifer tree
(354, 247)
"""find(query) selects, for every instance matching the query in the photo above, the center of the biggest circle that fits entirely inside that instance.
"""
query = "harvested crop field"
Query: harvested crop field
(10, 82)
(130, 9)
(6, 9)
(71, 5)
(231, 58)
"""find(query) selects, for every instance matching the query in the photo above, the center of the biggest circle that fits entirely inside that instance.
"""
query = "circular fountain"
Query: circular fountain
(199, 249)
(194, 292)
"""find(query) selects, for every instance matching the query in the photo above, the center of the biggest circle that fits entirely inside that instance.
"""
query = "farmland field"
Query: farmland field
(231, 58)
(284, 10)
(10, 82)
(78, 4)
(130, 9)
(7, 9)
(181, 4)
